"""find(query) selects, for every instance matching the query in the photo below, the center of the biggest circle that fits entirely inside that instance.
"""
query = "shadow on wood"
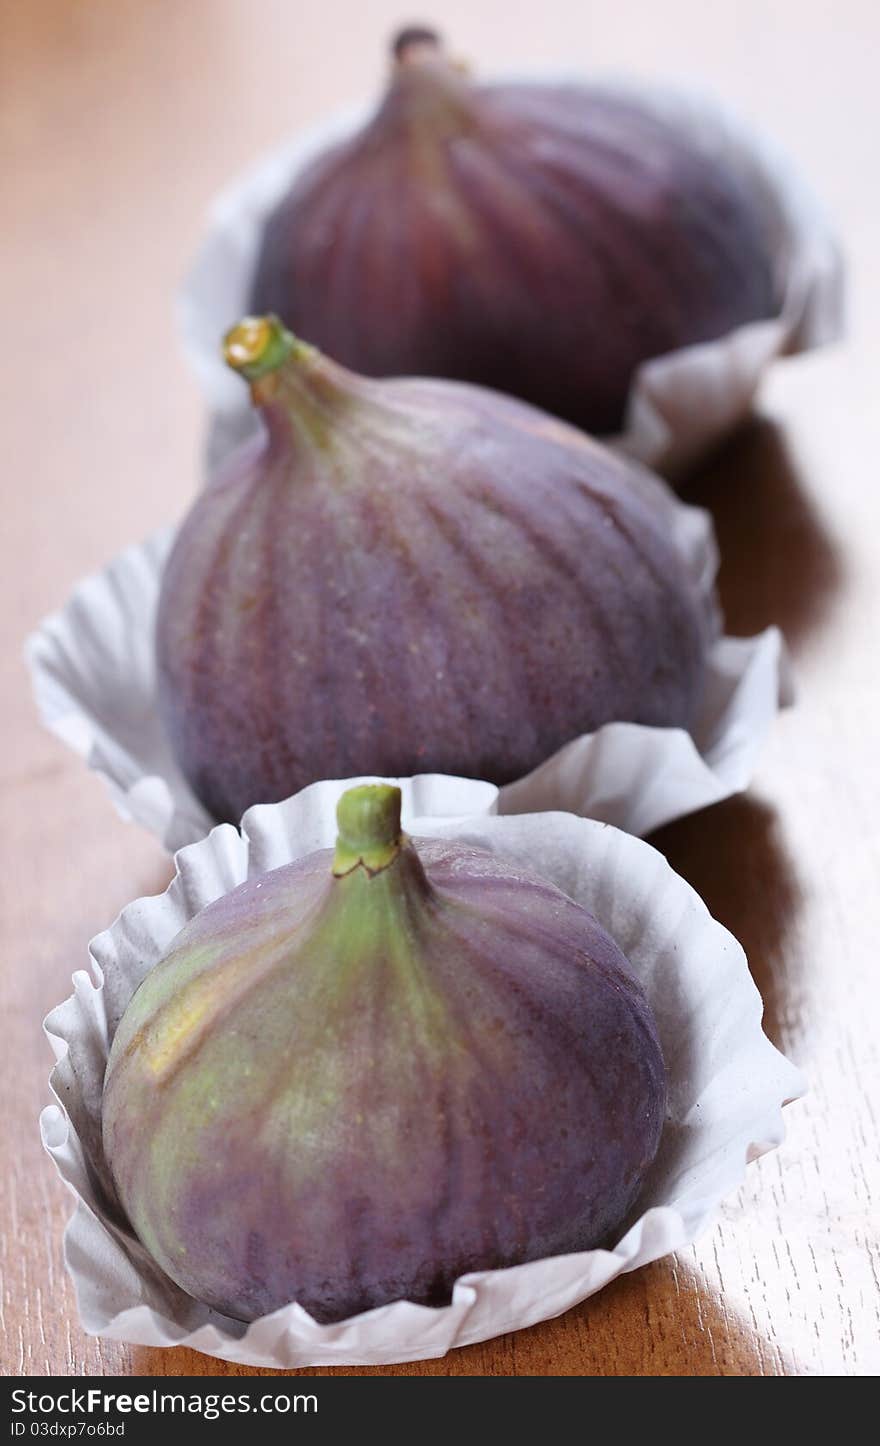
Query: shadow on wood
(734, 857)
(779, 563)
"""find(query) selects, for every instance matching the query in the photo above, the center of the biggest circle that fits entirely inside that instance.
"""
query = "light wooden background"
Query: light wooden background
(119, 121)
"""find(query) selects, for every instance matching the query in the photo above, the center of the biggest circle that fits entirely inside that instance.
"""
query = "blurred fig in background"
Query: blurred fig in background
(541, 239)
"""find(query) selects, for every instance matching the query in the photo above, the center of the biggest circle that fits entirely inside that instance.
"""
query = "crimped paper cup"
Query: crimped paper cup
(93, 671)
(727, 1083)
(680, 404)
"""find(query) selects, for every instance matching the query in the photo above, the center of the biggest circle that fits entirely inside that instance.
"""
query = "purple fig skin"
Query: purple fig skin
(346, 1092)
(415, 576)
(542, 240)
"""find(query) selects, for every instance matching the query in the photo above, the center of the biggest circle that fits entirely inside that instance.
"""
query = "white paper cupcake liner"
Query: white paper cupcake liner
(93, 672)
(727, 1082)
(680, 404)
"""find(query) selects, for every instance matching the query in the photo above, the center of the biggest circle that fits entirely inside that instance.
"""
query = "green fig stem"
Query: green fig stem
(368, 819)
(258, 345)
(293, 384)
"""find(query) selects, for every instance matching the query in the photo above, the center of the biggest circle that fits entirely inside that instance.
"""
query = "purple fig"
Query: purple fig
(408, 577)
(367, 1073)
(541, 239)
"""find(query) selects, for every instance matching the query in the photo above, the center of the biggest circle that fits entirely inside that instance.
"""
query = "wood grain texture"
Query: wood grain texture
(119, 121)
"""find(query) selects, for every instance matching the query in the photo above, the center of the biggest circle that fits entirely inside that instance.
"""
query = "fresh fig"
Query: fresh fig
(541, 239)
(415, 576)
(367, 1073)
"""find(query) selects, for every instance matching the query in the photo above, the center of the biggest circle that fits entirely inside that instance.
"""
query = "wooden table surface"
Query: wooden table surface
(119, 121)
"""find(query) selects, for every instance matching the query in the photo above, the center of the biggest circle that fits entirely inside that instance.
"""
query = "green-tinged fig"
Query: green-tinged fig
(414, 576)
(370, 1072)
(542, 239)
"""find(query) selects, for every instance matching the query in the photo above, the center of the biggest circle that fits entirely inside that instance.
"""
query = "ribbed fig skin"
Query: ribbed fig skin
(544, 240)
(460, 585)
(348, 1092)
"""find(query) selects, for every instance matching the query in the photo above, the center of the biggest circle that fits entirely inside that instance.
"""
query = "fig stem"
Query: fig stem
(368, 819)
(258, 345)
(413, 41)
